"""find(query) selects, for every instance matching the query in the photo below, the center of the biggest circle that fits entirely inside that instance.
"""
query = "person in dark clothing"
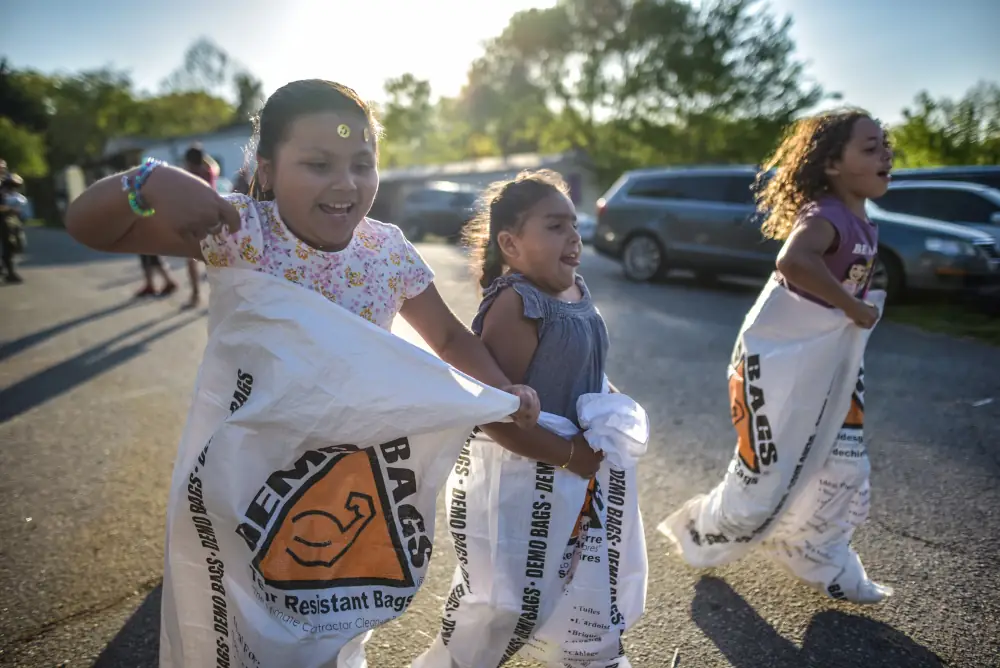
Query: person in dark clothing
(153, 264)
(201, 164)
(11, 224)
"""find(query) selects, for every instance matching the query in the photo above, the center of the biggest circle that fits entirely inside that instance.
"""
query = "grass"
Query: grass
(951, 319)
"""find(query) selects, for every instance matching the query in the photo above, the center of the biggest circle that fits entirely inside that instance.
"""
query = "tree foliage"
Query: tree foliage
(634, 82)
(22, 147)
(57, 120)
(208, 69)
(945, 132)
(631, 82)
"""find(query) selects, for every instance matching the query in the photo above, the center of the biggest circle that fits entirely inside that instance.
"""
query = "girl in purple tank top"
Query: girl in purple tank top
(802, 513)
(827, 168)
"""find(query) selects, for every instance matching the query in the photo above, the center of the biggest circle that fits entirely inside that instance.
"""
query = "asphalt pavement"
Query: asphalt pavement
(94, 389)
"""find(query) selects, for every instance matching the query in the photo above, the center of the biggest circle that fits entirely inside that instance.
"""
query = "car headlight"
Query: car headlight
(950, 247)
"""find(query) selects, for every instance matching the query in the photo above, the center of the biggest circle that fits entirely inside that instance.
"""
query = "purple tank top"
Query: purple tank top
(851, 259)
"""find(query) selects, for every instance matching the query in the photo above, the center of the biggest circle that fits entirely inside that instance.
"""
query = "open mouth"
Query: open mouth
(336, 209)
(884, 174)
(572, 260)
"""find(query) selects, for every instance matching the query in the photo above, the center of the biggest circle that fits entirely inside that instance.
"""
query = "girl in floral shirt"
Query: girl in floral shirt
(305, 220)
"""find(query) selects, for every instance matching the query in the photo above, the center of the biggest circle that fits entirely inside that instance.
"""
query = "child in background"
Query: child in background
(201, 164)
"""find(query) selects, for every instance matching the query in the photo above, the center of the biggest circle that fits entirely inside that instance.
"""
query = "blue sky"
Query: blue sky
(877, 53)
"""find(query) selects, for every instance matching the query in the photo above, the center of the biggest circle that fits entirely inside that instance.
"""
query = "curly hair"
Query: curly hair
(502, 207)
(799, 167)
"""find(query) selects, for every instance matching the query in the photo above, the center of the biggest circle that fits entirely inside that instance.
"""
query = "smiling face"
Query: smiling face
(324, 176)
(546, 246)
(864, 168)
(857, 272)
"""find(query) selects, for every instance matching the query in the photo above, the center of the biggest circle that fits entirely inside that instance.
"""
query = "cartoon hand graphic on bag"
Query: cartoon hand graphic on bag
(526, 416)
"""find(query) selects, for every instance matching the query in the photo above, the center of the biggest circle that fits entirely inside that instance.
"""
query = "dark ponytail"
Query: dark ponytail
(296, 99)
(502, 207)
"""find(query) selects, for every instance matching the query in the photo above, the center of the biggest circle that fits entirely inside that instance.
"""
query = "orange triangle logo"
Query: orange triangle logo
(855, 414)
(741, 418)
(336, 530)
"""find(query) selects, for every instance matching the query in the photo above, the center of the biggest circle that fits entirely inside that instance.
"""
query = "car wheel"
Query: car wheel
(642, 258)
(887, 275)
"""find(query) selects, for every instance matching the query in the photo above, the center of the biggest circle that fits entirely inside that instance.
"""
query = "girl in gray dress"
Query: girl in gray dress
(537, 317)
(538, 321)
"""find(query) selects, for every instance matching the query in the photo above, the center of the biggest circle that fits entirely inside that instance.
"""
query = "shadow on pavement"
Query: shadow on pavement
(175, 265)
(50, 383)
(737, 285)
(18, 345)
(53, 247)
(834, 639)
(137, 645)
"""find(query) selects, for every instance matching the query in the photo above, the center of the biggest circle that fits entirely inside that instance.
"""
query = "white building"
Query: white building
(227, 146)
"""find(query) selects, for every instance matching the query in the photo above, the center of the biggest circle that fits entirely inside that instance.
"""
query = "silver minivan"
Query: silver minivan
(704, 219)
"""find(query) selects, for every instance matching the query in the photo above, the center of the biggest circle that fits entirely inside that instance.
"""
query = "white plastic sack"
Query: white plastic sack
(540, 573)
(302, 506)
(813, 538)
(798, 480)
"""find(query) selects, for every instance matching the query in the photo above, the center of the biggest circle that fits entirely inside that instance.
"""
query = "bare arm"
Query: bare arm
(455, 344)
(801, 262)
(430, 316)
(512, 339)
(186, 208)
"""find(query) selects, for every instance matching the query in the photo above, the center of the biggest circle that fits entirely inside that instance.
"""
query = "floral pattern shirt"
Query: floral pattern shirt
(371, 278)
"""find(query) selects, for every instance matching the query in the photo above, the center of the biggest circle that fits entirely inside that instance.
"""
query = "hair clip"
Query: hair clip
(343, 130)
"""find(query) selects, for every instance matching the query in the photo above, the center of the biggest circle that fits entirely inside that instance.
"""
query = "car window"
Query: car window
(418, 197)
(464, 199)
(741, 189)
(984, 178)
(903, 201)
(429, 197)
(700, 188)
(957, 206)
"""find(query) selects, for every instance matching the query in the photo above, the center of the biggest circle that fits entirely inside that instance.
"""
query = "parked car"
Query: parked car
(587, 226)
(439, 208)
(984, 175)
(968, 204)
(704, 219)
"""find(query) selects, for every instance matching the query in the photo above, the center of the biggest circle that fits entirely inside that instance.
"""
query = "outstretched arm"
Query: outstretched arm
(430, 316)
(186, 210)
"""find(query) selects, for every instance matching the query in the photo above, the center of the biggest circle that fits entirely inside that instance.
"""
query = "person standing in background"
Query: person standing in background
(200, 163)
(12, 205)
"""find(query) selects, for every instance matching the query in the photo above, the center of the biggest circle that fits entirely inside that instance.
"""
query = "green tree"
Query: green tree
(408, 120)
(181, 113)
(945, 132)
(207, 68)
(23, 150)
(638, 81)
(85, 111)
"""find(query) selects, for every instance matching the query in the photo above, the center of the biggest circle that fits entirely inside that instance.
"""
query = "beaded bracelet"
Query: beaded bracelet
(134, 187)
